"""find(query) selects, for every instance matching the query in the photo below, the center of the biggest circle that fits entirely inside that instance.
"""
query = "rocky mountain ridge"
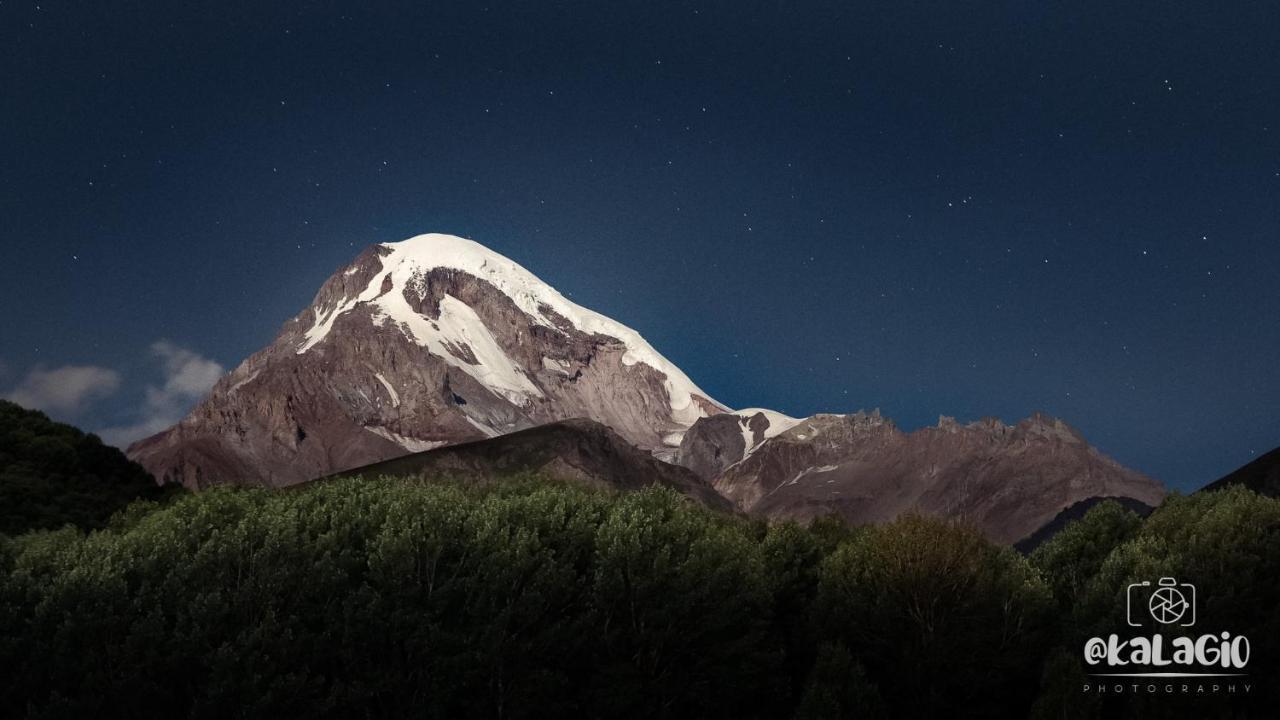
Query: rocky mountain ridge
(1007, 479)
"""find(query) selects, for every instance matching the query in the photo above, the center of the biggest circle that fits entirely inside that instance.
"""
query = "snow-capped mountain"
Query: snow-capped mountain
(437, 340)
(416, 345)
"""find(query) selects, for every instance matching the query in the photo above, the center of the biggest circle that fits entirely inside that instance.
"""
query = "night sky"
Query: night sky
(968, 209)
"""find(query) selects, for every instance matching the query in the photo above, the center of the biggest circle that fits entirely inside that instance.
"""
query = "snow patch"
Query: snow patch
(778, 424)
(811, 471)
(748, 437)
(408, 443)
(320, 330)
(395, 396)
(241, 383)
(488, 431)
(458, 324)
(556, 366)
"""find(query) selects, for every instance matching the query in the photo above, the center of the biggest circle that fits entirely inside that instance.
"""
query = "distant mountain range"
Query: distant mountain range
(417, 350)
(1007, 480)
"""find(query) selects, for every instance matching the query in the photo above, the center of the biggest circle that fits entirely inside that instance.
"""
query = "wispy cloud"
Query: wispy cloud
(187, 377)
(65, 391)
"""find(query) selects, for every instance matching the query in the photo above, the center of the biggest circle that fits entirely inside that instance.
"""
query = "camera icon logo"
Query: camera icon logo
(1168, 602)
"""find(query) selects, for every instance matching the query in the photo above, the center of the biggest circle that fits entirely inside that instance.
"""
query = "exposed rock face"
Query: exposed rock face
(581, 451)
(725, 439)
(415, 345)
(1008, 480)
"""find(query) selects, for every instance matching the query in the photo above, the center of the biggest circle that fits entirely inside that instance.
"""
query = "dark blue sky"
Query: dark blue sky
(961, 208)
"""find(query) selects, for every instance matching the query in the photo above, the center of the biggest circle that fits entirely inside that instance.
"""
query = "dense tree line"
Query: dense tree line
(532, 599)
(52, 474)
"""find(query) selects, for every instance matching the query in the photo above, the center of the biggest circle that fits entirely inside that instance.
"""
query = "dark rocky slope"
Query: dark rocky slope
(1046, 532)
(1261, 476)
(579, 450)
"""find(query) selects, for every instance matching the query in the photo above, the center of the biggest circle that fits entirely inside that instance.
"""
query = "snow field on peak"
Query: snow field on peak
(420, 254)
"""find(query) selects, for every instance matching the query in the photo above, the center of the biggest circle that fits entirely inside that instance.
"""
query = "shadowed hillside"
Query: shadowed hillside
(1261, 476)
(52, 474)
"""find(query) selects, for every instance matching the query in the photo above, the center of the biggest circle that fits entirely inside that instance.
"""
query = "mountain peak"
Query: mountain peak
(416, 344)
(398, 283)
(1047, 426)
(1038, 424)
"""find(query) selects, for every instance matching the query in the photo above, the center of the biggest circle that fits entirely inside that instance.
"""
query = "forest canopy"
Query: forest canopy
(393, 598)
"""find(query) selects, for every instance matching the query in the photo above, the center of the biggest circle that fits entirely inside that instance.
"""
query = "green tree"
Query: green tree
(793, 558)
(1070, 559)
(684, 609)
(1061, 689)
(944, 622)
(385, 598)
(838, 688)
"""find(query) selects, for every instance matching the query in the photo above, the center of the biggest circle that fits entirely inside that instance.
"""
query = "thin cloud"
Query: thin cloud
(65, 391)
(188, 376)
